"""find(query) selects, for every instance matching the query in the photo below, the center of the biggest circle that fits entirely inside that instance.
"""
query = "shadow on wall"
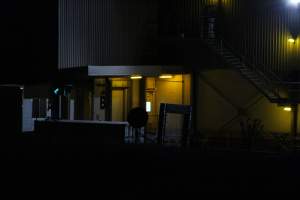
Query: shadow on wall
(225, 98)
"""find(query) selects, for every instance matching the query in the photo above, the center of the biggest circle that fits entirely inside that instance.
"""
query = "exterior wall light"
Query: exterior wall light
(136, 77)
(294, 2)
(165, 76)
(287, 109)
(292, 40)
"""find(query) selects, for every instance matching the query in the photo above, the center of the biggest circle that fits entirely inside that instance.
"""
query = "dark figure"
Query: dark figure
(137, 118)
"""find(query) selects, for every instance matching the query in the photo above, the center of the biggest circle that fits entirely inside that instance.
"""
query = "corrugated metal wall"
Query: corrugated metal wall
(260, 30)
(107, 32)
(257, 29)
(113, 32)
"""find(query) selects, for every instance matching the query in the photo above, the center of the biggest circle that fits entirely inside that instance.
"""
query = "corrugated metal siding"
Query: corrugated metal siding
(265, 28)
(106, 32)
(257, 29)
(83, 28)
(119, 32)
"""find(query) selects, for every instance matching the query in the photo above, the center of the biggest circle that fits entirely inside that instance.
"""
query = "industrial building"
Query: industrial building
(220, 79)
(231, 60)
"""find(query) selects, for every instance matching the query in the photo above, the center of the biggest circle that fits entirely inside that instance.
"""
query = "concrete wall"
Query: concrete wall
(224, 98)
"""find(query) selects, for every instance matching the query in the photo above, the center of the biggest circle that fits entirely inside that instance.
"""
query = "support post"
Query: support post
(60, 107)
(295, 120)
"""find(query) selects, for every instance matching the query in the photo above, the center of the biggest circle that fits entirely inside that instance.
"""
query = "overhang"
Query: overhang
(144, 70)
(86, 73)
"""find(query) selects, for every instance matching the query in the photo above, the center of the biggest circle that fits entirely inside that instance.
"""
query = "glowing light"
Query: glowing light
(165, 76)
(135, 77)
(291, 40)
(148, 106)
(288, 109)
(56, 91)
(294, 2)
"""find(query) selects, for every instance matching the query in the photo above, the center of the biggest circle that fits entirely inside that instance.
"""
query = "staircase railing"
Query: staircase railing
(275, 81)
(267, 75)
(279, 87)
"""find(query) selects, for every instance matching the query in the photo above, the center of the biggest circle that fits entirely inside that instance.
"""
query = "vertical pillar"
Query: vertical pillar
(60, 107)
(194, 99)
(295, 120)
(92, 96)
(108, 102)
(142, 93)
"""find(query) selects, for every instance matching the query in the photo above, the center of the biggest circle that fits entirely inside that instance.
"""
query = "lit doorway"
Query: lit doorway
(171, 89)
(123, 93)
(119, 104)
(120, 98)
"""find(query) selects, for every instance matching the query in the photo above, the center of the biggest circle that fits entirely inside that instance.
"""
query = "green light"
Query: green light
(56, 91)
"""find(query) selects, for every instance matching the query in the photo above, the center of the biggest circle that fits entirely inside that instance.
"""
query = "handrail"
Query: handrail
(271, 79)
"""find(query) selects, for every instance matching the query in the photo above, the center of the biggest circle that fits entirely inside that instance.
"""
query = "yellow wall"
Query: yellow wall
(176, 90)
(135, 93)
(222, 93)
(187, 89)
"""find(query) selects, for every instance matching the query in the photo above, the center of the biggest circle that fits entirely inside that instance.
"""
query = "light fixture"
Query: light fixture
(56, 91)
(291, 40)
(148, 106)
(136, 77)
(287, 109)
(165, 76)
(294, 2)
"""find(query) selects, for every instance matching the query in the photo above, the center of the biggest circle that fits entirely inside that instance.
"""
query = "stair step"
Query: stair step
(228, 56)
(233, 61)
(248, 74)
(254, 79)
(236, 64)
(224, 52)
(241, 67)
(246, 70)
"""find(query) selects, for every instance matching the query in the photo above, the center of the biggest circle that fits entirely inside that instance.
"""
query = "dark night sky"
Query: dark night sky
(28, 40)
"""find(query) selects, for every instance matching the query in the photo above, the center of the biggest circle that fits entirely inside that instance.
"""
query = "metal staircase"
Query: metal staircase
(266, 82)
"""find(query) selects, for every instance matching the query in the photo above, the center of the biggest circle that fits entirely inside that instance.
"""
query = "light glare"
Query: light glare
(291, 40)
(135, 77)
(165, 76)
(294, 2)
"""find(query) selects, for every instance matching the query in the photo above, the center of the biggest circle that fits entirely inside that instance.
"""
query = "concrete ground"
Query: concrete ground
(149, 169)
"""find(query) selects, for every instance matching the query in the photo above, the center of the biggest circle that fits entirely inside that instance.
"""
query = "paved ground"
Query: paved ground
(150, 169)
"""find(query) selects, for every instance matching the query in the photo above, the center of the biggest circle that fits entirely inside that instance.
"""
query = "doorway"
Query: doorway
(119, 104)
(171, 89)
(120, 98)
